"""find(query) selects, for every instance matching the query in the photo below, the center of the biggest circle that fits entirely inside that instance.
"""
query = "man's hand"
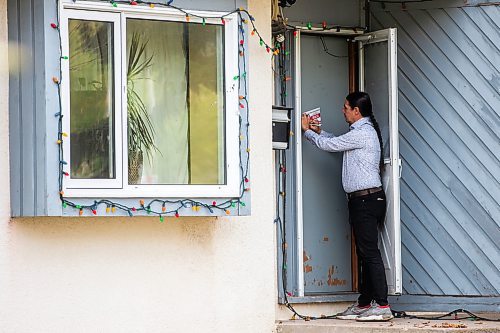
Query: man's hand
(305, 122)
(315, 126)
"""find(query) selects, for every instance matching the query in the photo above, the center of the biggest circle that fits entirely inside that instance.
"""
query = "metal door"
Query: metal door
(324, 237)
(378, 77)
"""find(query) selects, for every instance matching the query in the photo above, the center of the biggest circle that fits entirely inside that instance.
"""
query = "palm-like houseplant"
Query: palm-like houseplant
(140, 127)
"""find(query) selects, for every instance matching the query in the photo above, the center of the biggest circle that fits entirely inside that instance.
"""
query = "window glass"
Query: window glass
(91, 98)
(175, 103)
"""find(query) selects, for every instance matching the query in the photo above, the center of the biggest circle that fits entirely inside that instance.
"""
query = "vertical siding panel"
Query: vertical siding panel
(449, 104)
(39, 109)
(27, 106)
(14, 109)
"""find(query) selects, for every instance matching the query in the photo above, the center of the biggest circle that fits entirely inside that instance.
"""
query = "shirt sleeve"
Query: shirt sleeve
(348, 141)
(326, 134)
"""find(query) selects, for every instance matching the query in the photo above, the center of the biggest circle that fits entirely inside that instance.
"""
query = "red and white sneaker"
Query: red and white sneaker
(376, 313)
(353, 312)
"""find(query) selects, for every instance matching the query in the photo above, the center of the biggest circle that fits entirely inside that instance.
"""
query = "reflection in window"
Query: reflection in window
(175, 103)
(91, 99)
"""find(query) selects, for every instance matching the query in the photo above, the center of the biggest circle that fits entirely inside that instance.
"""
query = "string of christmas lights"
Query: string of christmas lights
(166, 207)
(325, 26)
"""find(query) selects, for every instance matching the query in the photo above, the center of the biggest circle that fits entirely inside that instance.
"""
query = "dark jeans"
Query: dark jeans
(365, 214)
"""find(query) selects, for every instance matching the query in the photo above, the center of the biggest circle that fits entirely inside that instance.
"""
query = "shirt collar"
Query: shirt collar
(360, 122)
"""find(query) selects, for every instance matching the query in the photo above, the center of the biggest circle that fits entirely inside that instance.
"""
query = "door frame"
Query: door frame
(387, 34)
(300, 289)
(298, 168)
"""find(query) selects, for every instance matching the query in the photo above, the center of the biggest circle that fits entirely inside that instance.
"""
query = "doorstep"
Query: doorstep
(395, 325)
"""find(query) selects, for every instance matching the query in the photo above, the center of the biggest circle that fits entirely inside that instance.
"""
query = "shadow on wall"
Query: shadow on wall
(109, 234)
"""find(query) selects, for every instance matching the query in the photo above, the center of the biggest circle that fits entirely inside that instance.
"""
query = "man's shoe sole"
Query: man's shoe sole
(348, 317)
(374, 318)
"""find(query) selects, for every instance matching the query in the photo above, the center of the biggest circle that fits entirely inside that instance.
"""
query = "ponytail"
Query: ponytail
(362, 101)
(379, 134)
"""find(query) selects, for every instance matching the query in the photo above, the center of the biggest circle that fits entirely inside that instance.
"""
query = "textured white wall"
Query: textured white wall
(138, 275)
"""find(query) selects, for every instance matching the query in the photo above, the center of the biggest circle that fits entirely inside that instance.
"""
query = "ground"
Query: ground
(395, 325)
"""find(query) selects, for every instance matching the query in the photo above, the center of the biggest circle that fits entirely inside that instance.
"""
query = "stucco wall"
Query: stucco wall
(124, 275)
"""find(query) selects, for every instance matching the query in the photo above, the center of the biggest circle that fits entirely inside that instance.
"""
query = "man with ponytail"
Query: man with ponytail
(362, 162)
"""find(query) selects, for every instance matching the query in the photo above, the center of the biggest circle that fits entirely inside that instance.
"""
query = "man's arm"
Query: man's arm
(327, 134)
(348, 141)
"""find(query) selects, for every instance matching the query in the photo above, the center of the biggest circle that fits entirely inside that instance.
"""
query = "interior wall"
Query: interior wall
(139, 275)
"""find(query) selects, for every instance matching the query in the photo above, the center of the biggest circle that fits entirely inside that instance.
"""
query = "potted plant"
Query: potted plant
(140, 127)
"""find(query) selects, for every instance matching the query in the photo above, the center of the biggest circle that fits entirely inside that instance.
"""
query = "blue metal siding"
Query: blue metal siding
(27, 108)
(449, 104)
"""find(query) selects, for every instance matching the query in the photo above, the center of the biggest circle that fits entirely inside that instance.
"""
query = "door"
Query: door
(378, 77)
(324, 250)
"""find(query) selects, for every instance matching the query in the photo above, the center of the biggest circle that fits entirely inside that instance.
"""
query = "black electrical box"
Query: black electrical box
(281, 127)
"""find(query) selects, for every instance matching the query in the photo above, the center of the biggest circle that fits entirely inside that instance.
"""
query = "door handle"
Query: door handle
(400, 164)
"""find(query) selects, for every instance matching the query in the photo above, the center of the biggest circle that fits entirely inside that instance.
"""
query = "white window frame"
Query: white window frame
(119, 187)
(65, 93)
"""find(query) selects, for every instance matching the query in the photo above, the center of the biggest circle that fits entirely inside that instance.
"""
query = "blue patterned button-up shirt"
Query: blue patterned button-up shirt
(360, 166)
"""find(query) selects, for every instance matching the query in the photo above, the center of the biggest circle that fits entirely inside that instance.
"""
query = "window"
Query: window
(149, 102)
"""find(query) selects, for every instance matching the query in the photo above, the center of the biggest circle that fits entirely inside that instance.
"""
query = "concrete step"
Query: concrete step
(395, 325)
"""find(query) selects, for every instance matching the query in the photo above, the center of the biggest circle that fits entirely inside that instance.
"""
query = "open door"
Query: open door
(321, 264)
(323, 231)
(378, 77)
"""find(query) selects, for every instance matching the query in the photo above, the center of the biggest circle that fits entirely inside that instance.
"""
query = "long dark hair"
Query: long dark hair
(363, 102)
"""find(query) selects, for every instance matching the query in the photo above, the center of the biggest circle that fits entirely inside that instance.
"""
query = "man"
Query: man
(362, 161)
